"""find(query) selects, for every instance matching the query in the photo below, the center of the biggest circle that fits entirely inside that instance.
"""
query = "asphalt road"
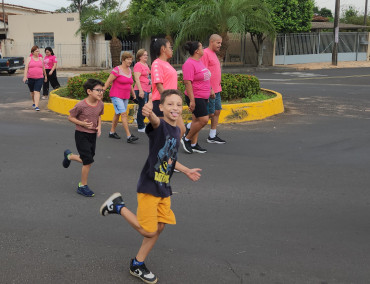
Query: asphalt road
(286, 200)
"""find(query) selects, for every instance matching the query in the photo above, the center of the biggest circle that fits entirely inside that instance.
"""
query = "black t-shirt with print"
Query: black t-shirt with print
(158, 169)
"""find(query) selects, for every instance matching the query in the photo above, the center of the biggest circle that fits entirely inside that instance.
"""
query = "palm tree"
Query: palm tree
(167, 20)
(111, 23)
(224, 17)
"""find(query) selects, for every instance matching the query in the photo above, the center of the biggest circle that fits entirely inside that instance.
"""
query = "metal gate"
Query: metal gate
(317, 47)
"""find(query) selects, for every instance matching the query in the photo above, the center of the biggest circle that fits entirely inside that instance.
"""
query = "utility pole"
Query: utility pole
(365, 16)
(4, 20)
(334, 56)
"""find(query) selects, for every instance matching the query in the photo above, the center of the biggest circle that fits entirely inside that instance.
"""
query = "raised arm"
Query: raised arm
(148, 112)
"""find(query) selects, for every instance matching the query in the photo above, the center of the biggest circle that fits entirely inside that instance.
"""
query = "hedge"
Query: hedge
(234, 86)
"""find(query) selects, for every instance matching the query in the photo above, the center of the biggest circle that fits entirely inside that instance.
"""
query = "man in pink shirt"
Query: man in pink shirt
(211, 61)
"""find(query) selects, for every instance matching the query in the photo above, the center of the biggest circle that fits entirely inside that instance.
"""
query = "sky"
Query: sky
(48, 5)
(51, 5)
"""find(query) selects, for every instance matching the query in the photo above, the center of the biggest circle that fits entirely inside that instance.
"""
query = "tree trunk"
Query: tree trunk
(115, 50)
(257, 40)
(260, 51)
(224, 46)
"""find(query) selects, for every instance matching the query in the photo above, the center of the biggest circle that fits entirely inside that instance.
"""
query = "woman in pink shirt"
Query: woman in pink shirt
(164, 76)
(143, 85)
(50, 62)
(34, 75)
(121, 80)
(197, 90)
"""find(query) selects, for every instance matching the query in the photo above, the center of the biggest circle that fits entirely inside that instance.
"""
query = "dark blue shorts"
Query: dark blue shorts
(214, 104)
(35, 85)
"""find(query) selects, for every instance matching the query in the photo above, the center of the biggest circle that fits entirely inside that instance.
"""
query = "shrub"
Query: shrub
(75, 88)
(234, 86)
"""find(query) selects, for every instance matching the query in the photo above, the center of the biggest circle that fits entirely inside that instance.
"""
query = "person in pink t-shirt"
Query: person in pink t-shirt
(197, 90)
(34, 75)
(212, 62)
(50, 62)
(164, 76)
(143, 85)
(121, 80)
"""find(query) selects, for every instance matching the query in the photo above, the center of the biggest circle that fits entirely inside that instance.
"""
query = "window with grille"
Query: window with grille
(43, 40)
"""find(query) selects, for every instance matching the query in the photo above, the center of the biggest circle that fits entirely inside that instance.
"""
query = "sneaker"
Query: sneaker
(186, 130)
(143, 273)
(112, 205)
(44, 97)
(37, 109)
(176, 171)
(114, 135)
(197, 148)
(33, 105)
(66, 161)
(132, 138)
(142, 130)
(186, 145)
(216, 140)
(85, 191)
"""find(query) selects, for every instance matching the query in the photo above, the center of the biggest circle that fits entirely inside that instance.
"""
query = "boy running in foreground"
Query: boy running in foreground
(154, 189)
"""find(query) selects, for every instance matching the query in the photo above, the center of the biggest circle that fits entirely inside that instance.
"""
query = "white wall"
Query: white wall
(67, 45)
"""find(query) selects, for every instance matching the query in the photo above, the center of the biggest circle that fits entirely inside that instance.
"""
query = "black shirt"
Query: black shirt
(158, 169)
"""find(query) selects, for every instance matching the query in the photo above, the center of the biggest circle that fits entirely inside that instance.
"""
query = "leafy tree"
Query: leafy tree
(292, 16)
(141, 10)
(109, 5)
(113, 23)
(324, 12)
(167, 20)
(223, 17)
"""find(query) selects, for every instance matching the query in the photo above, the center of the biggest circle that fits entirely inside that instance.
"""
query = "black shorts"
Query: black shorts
(201, 106)
(85, 144)
(35, 85)
(156, 109)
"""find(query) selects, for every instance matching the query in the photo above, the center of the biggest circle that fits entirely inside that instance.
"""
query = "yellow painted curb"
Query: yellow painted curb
(231, 113)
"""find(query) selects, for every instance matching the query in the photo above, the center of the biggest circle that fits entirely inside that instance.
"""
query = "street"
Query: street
(285, 200)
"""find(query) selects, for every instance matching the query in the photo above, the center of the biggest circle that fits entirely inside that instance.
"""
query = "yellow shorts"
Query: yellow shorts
(152, 210)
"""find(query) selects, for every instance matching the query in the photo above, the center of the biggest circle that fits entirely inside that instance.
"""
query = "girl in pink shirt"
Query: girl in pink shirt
(197, 90)
(164, 76)
(34, 75)
(121, 80)
(50, 62)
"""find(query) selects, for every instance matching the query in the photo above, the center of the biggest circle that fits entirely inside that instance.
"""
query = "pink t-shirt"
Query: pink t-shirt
(210, 60)
(49, 61)
(35, 70)
(83, 111)
(164, 73)
(121, 86)
(144, 76)
(195, 71)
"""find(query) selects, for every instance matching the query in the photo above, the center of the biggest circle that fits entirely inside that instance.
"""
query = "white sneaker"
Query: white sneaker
(141, 130)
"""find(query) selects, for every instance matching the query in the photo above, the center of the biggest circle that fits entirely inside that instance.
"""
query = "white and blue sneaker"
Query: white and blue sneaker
(142, 272)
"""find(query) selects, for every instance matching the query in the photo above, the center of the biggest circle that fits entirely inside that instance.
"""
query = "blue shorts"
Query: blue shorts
(214, 104)
(35, 85)
(120, 105)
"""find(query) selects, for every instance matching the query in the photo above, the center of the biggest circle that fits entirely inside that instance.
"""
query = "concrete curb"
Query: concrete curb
(231, 113)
